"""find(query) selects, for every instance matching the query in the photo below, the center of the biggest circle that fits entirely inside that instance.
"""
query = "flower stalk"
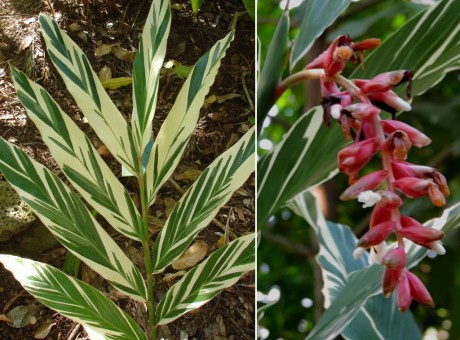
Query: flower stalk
(356, 105)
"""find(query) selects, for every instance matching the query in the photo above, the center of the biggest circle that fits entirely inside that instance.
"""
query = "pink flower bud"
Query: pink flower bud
(368, 129)
(386, 81)
(395, 259)
(419, 291)
(404, 293)
(402, 169)
(352, 158)
(389, 200)
(387, 100)
(405, 169)
(368, 182)
(418, 233)
(417, 138)
(379, 215)
(376, 234)
(412, 187)
(362, 110)
(409, 222)
(390, 280)
(395, 262)
(421, 171)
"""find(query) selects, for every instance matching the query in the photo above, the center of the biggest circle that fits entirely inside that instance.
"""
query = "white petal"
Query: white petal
(402, 105)
(336, 111)
(369, 198)
(377, 253)
(437, 247)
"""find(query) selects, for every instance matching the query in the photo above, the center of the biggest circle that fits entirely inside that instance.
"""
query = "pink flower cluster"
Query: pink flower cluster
(357, 108)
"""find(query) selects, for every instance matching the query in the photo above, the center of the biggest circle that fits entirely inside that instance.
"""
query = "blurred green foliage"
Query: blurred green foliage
(436, 113)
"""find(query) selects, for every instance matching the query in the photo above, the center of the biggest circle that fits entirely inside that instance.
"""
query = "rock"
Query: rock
(15, 215)
(37, 240)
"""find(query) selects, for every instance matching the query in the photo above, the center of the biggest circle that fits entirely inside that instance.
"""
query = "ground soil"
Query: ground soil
(223, 120)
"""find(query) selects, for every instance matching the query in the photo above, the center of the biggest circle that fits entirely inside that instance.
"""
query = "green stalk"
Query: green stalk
(147, 257)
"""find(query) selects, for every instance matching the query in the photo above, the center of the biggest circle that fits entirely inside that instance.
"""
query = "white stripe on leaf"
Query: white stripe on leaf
(203, 199)
(146, 72)
(78, 159)
(220, 270)
(176, 130)
(89, 94)
(65, 215)
(73, 299)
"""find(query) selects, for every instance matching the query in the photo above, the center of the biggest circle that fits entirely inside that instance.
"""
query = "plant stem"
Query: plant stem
(147, 258)
(298, 77)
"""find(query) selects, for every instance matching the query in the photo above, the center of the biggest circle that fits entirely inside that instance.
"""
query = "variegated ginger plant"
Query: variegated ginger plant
(151, 159)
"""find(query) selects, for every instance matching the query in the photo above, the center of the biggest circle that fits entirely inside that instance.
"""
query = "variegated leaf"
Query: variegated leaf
(78, 159)
(73, 298)
(89, 94)
(358, 314)
(65, 215)
(272, 71)
(203, 200)
(428, 44)
(180, 123)
(220, 270)
(146, 72)
(304, 158)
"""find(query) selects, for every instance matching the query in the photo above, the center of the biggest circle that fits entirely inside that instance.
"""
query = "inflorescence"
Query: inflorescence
(356, 105)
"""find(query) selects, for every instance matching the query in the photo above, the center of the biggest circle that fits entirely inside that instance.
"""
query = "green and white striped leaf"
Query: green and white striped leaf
(146, 72)
(448, 221)
(367, 319)
(180, 123)
(272, 71)
(78, 159)
(220, 270)
(65, 215)
(196, 209)
(304, 158)
(430, 46)
(85, 87)
(318, 15)
(336, 242)
(73, 298)
(361, 286)
(381, 319)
